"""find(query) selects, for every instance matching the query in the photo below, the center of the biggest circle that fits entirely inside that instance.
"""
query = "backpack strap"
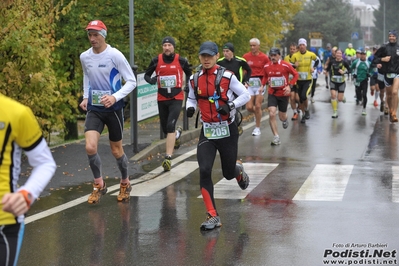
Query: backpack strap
(219, 76)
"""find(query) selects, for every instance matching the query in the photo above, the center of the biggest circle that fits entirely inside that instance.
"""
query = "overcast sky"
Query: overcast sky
(371, 2)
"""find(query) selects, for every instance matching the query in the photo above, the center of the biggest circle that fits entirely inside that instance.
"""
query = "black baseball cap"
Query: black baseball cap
(208, 47)
(274, 51)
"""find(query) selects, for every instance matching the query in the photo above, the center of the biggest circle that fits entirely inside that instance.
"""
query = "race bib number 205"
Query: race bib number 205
(216, 130)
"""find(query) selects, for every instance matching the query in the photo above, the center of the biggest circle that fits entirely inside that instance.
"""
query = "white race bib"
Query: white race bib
(303, 75)
(168, 81)
(338, 79)
(254, 82)
(96, 96)
(277, 82)
(216, 130)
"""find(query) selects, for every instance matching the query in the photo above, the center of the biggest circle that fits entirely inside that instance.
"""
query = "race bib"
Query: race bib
(380, 77)
(216, 130)
(303, 75)
(254, 82)
(96, 96)
(391, 75)
(338, 79)
(168, 81)
(277, 82)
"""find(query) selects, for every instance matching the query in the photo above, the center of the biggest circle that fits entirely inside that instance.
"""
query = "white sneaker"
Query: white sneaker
(364, 112)
(276, 141)
(312, 100)
(256, 131)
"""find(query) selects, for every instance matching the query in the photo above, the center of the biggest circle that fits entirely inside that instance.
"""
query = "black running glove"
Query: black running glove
(225, 109)
(190, 111)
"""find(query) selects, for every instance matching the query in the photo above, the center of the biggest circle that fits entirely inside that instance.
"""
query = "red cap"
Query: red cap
(96, 25)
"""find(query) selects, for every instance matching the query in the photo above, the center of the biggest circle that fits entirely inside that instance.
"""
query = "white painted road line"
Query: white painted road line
(395, 184)
(150, 187)
(229, 189)
(151, 175)
(325, 183)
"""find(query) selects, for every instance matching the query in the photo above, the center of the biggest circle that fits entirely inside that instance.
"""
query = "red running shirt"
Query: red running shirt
(170, 73)
(276, 75)
(257, 63)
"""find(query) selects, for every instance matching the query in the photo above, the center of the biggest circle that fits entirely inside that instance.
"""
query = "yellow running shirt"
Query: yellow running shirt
(304, 68)
(18, 130)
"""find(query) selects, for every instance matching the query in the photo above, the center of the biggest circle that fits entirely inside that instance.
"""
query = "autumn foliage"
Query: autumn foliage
(40, 41)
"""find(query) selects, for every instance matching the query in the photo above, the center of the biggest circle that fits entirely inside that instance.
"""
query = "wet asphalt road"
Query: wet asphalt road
(332, 194)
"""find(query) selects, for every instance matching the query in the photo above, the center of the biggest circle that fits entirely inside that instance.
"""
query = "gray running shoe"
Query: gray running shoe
(307, 114)
(243, 178)
(285, 124)
(211, 222)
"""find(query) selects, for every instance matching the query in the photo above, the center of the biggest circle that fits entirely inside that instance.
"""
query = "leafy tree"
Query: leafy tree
(334, 19)
(189, 22)
(26, 45)
(265, 20)
(41, 41)
(391, 20)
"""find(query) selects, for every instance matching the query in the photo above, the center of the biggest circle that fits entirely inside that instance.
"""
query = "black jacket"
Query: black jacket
(389, 49)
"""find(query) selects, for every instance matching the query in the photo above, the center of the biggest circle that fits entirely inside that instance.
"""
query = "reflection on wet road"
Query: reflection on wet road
(331, 188)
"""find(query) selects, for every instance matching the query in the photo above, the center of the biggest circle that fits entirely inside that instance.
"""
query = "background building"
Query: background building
(364, 12)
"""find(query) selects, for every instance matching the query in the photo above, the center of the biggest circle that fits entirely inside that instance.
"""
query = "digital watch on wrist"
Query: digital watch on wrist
(27, 196)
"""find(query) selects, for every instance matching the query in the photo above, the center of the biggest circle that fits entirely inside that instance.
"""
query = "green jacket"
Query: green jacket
(361, 69)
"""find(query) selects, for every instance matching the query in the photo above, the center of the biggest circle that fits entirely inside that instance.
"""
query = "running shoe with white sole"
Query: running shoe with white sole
(276, 141)
(335, 114)
(179, 130)
(211, 222)
(256, 131)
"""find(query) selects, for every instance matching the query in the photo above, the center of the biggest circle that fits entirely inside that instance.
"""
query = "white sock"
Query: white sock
(177, 134)
(376, 95)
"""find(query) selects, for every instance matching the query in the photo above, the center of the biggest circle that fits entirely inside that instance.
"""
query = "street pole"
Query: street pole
(384, 33)
(133, 95)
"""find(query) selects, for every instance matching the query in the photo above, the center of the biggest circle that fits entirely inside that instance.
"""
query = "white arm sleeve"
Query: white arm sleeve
(42, 161)
(191, 100)
(239, 89)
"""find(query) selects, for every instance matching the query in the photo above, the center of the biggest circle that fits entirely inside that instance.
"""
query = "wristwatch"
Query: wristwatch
(231, 105)
(27, 196)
